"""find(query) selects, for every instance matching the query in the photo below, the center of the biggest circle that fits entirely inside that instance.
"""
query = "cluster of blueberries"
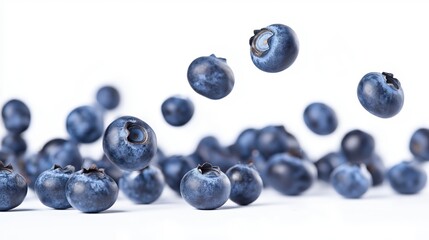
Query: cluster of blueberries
(270, 156)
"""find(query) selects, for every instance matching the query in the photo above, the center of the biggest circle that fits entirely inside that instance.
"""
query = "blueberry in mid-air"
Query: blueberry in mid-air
(16, 116)
(91, 190)
(211, 77)
(130, 143)
(13, 188)
(381, 94)
(246, 184)
(350, 180)
(274, 48)
(357, 146)
(50, 186)
(407, 177)
(320, 118)
(14, 143)
(419, 144)
(85, 124)
(177, 110)
(205, 187)
(108, 97)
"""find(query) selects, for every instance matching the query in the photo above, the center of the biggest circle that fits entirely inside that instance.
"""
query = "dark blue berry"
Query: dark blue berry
(143, 186)
(246, 184)
(211, 77)
(174, 168)
(326, 164)
(419, 144)
(205, 187)
(50, 186)
(210, 150)
(350, 180)
(381, 94)
(108, 97)
(376, 169)
(245, 144)
(85, 124)
(177, 110)
(59, 152)
(108, 166)
(357, 146)
(16, 116)
(14, 143)
(274, 139)
(407, 177)
(288, 175)
(13, 188)
(320, 118)
(91, 190)
(274, 48)
(130, 143)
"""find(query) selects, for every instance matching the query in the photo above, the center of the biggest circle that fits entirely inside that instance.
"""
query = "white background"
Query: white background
(55, 54)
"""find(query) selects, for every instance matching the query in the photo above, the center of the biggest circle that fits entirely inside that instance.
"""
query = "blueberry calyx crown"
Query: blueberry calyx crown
(259, 43)
(136, 133)
(219, 58)
(391, 80)
(66, 169)
(207, 167)
(93, 169)
(8, 167)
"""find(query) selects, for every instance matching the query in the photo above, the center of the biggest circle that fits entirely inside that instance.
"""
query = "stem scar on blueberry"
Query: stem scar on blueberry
(259, 43)
(93, 169)
(6, 167)
(136, 134)
(391, 80)
(207, 167)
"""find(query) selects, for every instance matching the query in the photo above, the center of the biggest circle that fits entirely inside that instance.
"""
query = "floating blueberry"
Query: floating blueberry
(130, 143)
(13, 188)
(91, 190)
(205, 187)
(246, 184)
(419, 144)
(350, 180)
(274, 48)
(14, 143)
(211, 77)
(108, 97)
(143, 186)
(320, 118)
(50, 186)
(85, 124)
(407, 177)
(16, 116)
(357, 146)
(177, 110)
(381, 94)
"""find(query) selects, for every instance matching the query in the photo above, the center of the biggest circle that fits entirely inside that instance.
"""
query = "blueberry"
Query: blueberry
(320, 118)
(14, 143)
(376, 169)
(419, 144)
(407, 177)
(50, 186)
(381, 94)
(274, 139)
(16, 116)
(288, 175)
(85, 124)
(205, 187)
(211, 77)
(357, 146)
(142, 186)
(60, 152)
(108, 97)
(245, 144)
(13, 188)
(30, 169)
(274, 48)
(91, 190)
(210, 150)
(326, 164)
(246, 184)
(177, 110)
(174, 168)
(350, 180)
(109, 167)
(130, 143)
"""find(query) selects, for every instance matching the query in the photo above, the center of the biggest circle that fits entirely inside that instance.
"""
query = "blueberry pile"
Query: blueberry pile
(268, 157)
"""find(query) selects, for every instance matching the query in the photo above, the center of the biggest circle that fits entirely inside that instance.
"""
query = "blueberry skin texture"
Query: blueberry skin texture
(14, 143)
(419, 144)
(205, 187)
(85, 124)
(13, 188)
(357, 146)
(274, 48)
(108, 97)
(177, 110)
(211, 77)
(174, 168)
(50, 186)
(288, 175)
(326, 165)
(407, 177)
(91, 190)
(16, 116)
(130, 143)
(143, 186)
(320, 118)
(350, 180)
(381, 94)
(246, 184)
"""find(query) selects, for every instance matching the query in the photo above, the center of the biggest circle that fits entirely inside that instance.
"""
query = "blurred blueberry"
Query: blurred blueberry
(210, 150)
(14, 143)
(59, 152)
(357, 146)
(326, 164)
(320, 118)
(274, 139)
(419, 144)
(85, 124)
(177, 110)
(174, 168)
(16, 116)
(407, 177)
(376, 168)
(104, 163)
(350, 180)
(245, 144)
(108, 97)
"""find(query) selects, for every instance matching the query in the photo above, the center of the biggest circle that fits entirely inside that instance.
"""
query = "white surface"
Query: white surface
(55, 54)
